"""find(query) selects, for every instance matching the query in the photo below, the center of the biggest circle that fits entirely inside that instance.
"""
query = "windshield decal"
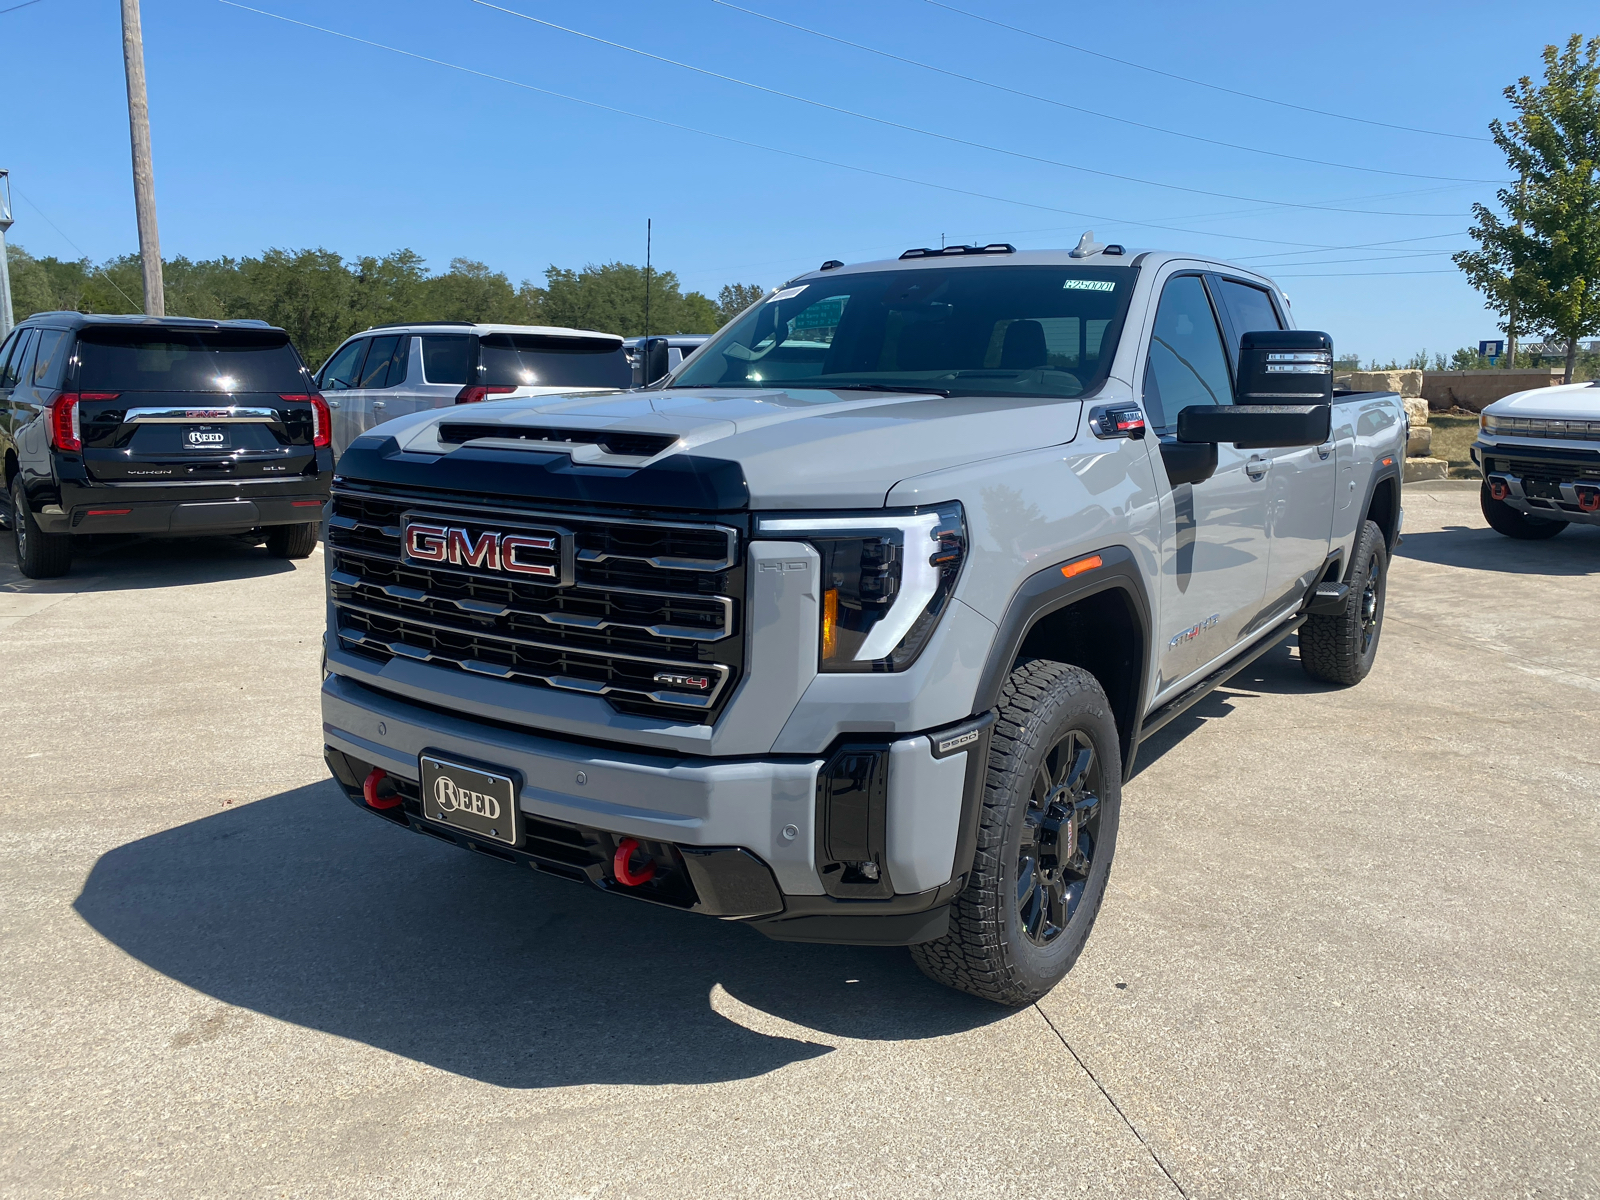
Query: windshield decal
(1090, 285)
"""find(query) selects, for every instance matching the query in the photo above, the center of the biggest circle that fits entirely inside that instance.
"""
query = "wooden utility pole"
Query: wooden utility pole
(144, 184)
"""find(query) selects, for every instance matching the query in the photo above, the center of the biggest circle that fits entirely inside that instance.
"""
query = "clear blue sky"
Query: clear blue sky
(271, 134)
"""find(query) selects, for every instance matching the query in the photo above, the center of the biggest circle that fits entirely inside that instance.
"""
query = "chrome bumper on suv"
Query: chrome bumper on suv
(1557, 483)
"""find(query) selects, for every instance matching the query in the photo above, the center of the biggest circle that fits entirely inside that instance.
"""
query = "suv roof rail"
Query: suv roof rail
(410, 324)
(991, 248)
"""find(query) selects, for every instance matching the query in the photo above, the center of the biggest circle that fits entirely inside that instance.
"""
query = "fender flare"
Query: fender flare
(1048, 591)
(1379, 476)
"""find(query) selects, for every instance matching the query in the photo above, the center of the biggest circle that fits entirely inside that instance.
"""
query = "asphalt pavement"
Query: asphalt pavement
(1349, 949)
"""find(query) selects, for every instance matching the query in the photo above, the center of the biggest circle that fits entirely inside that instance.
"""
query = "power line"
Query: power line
(1178, 133)
(723, 137)
(943, 137)
(79, 249)
(1362, 274)
(1321, 112)
(14, 7)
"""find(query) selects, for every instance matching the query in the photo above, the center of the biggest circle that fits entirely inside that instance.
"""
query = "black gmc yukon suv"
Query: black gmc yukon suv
(165, 425)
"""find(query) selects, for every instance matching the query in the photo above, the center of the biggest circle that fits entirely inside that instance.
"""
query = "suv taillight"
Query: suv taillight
(321, 420)
(65, 433)
(474, 393)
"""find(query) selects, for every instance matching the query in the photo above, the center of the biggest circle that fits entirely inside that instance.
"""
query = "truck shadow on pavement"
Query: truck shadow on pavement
(1277, 672)
(300, 907)
(1574, 551)
(129, 563)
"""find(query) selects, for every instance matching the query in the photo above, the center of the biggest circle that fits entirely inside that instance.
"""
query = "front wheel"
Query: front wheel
(1513, 522)
(292, 541)
(1045, 839)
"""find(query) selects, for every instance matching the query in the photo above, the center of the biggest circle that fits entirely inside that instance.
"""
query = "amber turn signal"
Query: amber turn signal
(1081, 565)
(830, 623)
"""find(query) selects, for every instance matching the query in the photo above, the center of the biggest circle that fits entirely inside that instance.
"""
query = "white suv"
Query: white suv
(392, 370)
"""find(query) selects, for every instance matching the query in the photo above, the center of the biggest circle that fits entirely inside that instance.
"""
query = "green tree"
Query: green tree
(734, 298)
(1542, 262)
(610, 297)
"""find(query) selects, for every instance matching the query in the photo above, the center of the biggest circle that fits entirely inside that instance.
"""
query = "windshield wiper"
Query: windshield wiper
(884, 387)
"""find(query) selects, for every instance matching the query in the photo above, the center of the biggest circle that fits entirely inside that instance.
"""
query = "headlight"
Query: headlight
(886, 580)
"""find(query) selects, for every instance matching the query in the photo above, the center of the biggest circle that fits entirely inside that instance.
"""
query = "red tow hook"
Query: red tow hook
(369, 789)
(1499, 489)
(622, 864)
(1589, 499)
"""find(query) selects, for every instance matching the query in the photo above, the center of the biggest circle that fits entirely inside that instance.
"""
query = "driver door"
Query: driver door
(1214, 550)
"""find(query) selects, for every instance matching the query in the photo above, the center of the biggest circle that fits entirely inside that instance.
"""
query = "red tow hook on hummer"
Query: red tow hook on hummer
(622, 865)
(369, 790)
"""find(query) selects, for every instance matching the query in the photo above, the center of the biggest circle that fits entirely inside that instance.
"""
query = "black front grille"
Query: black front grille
(1546, 469)
(642, 611)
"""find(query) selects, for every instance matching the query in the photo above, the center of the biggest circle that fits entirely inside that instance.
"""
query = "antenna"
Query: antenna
(644, 346)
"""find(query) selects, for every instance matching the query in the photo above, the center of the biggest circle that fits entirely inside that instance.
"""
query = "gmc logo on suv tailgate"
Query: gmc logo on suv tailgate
(536, 554)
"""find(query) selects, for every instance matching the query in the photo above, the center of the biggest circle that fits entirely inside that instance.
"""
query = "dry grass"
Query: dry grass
(1452, 436)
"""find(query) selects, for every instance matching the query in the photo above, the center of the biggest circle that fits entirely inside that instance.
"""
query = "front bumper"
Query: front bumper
(716, 817)
(1551, 482)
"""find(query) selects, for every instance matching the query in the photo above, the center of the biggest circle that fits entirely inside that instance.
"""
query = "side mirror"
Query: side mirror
(656, 360)
(1285, 366)
(1257, 426)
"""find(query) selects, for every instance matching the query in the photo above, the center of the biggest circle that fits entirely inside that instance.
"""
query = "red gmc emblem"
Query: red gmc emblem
(537, 555)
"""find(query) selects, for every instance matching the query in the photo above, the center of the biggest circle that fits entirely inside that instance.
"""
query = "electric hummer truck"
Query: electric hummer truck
(849, 626)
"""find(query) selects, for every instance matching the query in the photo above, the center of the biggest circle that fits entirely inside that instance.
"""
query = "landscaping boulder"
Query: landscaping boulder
(1419, 469)
(1407, 383)
(1420, 442)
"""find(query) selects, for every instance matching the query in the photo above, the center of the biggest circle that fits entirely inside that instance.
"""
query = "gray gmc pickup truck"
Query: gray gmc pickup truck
(849, 627)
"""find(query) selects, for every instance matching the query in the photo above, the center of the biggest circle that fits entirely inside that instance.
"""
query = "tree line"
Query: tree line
(322, 298)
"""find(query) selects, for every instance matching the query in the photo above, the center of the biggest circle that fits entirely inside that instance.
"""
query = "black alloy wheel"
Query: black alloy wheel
(1340, 647)
(1372, 601)
(1047, 832)
(1058, 838)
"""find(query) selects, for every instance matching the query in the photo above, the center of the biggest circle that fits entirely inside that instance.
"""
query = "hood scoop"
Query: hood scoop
(617, 443)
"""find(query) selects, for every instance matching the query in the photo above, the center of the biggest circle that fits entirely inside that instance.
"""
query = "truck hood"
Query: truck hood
(799, 447)
(1564, 400)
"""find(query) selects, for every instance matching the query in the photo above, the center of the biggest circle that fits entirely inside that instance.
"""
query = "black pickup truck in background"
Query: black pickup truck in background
(172, 425)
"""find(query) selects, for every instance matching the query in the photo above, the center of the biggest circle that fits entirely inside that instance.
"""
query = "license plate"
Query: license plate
(474, 801)
(205, 437)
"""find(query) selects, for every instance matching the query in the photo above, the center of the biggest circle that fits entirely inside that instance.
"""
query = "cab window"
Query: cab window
(1187, 365)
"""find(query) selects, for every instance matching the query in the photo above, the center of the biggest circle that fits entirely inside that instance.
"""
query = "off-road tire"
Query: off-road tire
(1335, 647)
(1515, 523)
(292, 541)
(987, 951)
(40, 555)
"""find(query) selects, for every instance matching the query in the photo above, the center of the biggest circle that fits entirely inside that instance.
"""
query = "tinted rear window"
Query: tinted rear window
(185, 360)
(528, 360)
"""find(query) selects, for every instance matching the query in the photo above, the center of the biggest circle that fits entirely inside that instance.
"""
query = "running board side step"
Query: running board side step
(1181, 703)
(1327, 600)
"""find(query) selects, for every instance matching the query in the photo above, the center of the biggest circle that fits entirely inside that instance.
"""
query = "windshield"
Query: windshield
(1010, 330)
(534, 360)
(183, 360)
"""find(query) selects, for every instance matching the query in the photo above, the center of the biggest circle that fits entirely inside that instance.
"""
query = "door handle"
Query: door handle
(1324, 450)
(378, 403)
(333, 404)
(1257, 466)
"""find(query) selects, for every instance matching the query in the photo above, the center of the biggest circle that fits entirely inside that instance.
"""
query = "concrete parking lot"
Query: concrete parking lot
(1350, 947)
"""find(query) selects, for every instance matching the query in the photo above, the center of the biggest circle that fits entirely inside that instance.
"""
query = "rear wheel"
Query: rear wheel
(1341, 647)
(1515, 523)
(40, 555)
(292, 541)
(1045, 840)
